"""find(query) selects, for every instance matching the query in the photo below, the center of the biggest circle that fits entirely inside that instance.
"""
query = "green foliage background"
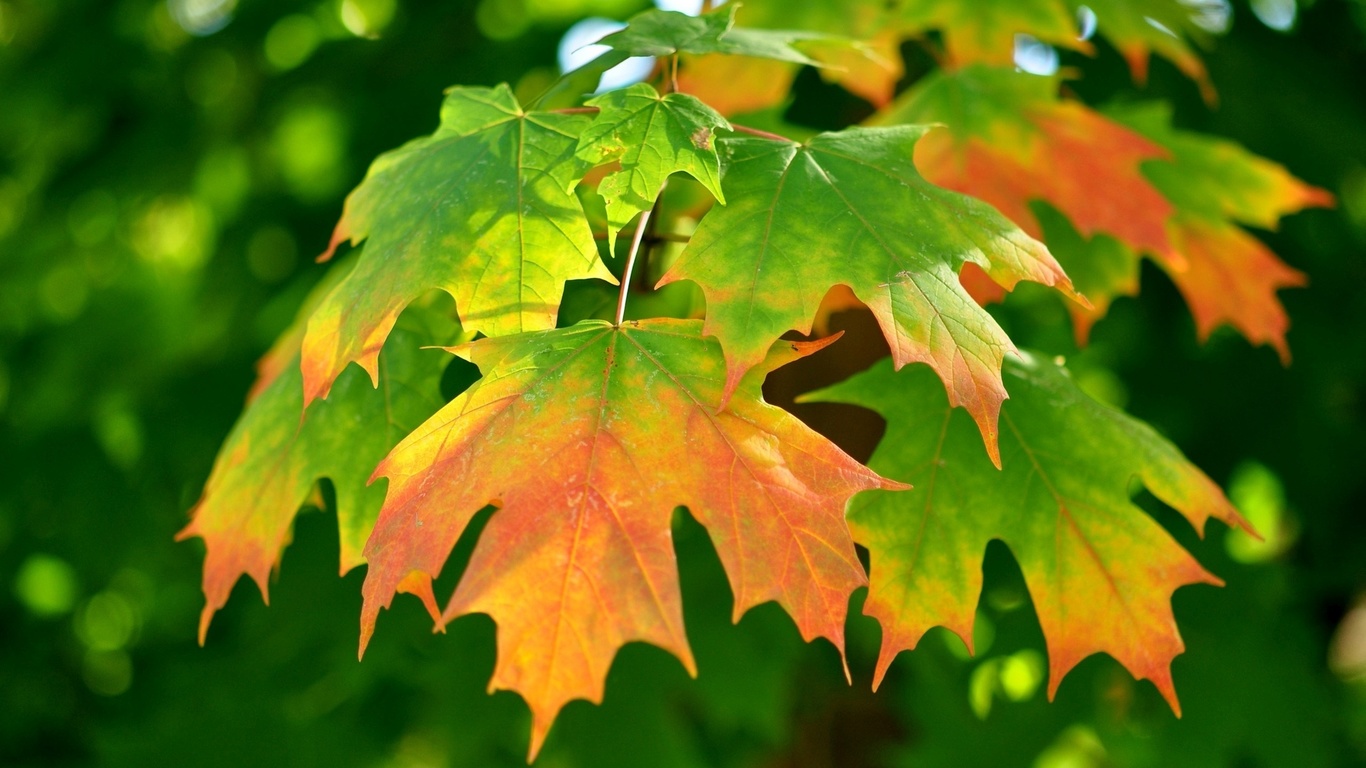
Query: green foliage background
(161, 196)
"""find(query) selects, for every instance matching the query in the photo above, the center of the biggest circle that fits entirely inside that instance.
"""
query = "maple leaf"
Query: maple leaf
(665, 33)
(587, 438)
(1011, 140)
(865, 59)
(276, 453)
(1225, 274)
(1139, 28)
(849, 208)
(1100, 571)
(733, 85)
(1216, 178)
(1233, 278)
(984, 31)
(482, 209)
(652, 136)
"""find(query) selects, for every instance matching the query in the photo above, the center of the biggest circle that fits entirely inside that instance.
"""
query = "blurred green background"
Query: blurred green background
(169, 169)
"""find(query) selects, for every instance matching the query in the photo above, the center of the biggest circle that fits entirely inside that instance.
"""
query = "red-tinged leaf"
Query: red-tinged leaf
(1225, 274)
(734, 85)
(1215, 178)
(849, 208)
(1101, 572)
(1011, 141)
(276, 454)
(1140, 28)
(984, 31)
(1233, 278)
(587, 439)
(482, 209)
(869, 68)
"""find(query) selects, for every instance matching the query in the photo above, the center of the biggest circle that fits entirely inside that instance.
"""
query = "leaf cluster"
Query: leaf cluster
(585, 434)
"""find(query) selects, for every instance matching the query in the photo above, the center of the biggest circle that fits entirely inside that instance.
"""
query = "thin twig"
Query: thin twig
(631, 257)
(759, 133)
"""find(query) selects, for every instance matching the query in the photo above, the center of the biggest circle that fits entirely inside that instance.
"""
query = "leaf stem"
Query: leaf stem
(576, 111)
(636, 239)
(653, 237)
(759, 133)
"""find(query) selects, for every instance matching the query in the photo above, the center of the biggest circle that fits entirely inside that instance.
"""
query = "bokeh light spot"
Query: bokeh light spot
(107, 622)
(1034, 56)
(1258, 494)
(983, 635)
(502, 19)
(1277, 14)
(201, 17)
(309, 144)
(173, 232)
(1076, 747)
(119, 431)
(690, 7)
(1347, 651)
(1086, 23)
(577, 49)
(1213, 16)
(46, 585)
(291, 41)
(1021, 674)
(107, 673)
(367, 18)
(982, 687)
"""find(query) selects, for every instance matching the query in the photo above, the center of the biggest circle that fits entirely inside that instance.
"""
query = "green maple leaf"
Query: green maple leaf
(652, 136)
(665, 33)
(482, 209)
(1100, 571)
(587, 438)
(274, 457)
(850, 208)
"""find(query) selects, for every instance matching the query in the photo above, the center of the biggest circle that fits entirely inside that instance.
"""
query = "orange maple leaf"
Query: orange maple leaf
(587, 439)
